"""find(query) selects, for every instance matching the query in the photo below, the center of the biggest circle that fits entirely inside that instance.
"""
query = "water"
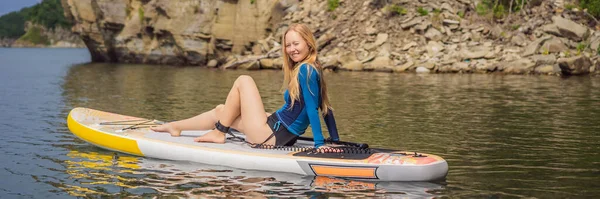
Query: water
(503, 136)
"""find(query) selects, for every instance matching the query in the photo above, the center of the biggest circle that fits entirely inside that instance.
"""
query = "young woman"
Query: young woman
(305, 95)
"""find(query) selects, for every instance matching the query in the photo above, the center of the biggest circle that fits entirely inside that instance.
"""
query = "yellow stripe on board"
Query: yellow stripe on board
(103, 139)
(341, 171)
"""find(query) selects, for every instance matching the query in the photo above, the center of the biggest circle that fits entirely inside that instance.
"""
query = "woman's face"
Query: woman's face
(295, 46)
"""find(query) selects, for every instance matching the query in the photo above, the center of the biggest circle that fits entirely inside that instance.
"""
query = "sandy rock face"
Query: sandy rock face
(183, 32)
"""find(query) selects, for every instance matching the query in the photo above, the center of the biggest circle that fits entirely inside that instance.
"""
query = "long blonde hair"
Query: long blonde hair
(291, 68)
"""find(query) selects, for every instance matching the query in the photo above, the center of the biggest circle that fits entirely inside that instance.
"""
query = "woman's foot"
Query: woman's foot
(168, 127)
(215, 136)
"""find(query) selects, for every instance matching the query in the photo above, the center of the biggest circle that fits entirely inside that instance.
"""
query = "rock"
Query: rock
(450, 22)
(353, 66)
(475, 53)
(578, 65)
(350, 62)
(422, 27)
(382, 64)
(460, 67)
(411, 23)
(482, 66)
(522, 66)
(595, 39)
(434, 48)
(267, 64)
(433, 34)
(547, 69)
(551, 29)
(497, 32)
(325, 39)
(448, 7)
(166, 32)
(370, 31)
(570, 29)
(368, 58)
(554, 45)
(404, 67)
(533, 47)
(252, 65)
(409, 46)
(212, 63)
(381, 38)
(520, 40)
(429, 65)
(466, 37)
(421, 69)
(330, 62)
(541, 60)
(278, 63)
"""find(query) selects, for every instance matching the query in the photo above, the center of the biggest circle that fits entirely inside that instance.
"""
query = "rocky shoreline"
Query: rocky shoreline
(445, 36)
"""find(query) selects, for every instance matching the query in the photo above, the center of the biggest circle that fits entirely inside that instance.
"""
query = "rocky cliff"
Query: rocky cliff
(183, 32)
(441, 36)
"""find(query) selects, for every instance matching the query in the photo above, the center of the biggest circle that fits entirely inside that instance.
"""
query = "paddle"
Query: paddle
(328, 140)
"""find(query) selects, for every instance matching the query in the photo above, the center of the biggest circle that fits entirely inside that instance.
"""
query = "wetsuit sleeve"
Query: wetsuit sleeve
(308, 80)
(331, 126)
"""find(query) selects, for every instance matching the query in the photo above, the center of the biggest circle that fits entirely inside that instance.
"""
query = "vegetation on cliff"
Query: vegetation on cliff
(35, 36)
(48, 13)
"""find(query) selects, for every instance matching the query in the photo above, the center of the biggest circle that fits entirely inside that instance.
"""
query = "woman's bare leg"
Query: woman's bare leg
(204, 121)
(244, 103)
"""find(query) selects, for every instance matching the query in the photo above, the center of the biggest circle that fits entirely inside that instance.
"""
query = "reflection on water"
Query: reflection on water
(502, 135)
(97, 173)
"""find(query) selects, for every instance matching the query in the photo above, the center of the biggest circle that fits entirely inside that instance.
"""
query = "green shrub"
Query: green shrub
(481, 9)
(515, 27)
(461, 14)
(332, 4)
(570, 6)
(141, 14)
(34, 35)
(252, 1)
(422, 11)
(396, 9)
(48, 13)
(581, 47)
(499, 12)
(593, 6)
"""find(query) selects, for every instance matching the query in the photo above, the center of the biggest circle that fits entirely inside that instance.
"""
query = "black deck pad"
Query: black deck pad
(350, 153)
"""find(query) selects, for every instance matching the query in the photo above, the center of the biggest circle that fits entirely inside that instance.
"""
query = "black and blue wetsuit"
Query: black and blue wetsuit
(305, 111)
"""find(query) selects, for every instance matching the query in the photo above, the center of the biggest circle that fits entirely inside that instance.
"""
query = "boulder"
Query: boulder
(554, 45)
(547, 69)
(475, 53)
(460, 67)
(578, 65)
(404, 67)
(541, 60)
(433, 34)
(252, 65)
(267, 64)
(533, 47)
(434, 48)
(212, 63)
(521, 66)
(381, 64)
(422, 69)
(570, 29)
